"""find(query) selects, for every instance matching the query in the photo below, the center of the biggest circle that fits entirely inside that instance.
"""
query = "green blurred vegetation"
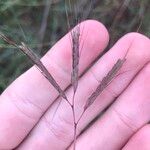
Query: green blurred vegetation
(25, 20)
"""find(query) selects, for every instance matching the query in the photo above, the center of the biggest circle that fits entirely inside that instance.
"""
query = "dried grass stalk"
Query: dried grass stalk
(36, 60)
(75, 35)
(104, 83)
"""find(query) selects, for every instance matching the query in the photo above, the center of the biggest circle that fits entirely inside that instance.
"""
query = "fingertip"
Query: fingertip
(139, 46)
(134, 47)
(140, 141)
(94, 38)
(136, 36)
(145, 131)
(97, 30)
(136, 40)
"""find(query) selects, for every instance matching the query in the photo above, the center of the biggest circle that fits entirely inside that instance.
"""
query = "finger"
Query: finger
(24, 101)
(128, 114)
(51, 131)
(139, 141)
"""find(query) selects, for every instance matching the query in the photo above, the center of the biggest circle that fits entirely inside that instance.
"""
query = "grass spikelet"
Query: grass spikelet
(104, 83)
(36, 60)
(75, 57)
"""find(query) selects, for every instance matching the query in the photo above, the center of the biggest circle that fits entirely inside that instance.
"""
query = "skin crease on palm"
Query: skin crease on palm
(27, 106)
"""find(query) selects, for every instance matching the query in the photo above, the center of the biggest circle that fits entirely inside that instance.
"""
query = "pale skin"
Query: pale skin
(27, 120)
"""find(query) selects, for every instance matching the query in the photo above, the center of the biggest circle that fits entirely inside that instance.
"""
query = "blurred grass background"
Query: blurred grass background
(40, 23)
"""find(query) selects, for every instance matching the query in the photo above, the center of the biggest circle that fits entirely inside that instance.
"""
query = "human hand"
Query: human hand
(28, 116)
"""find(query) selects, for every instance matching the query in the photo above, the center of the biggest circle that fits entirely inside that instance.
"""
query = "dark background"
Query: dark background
(40, 23)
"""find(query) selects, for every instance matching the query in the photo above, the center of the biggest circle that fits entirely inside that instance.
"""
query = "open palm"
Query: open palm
(30, 118)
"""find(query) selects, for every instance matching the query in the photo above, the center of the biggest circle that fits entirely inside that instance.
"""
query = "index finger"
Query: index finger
(25, 100)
